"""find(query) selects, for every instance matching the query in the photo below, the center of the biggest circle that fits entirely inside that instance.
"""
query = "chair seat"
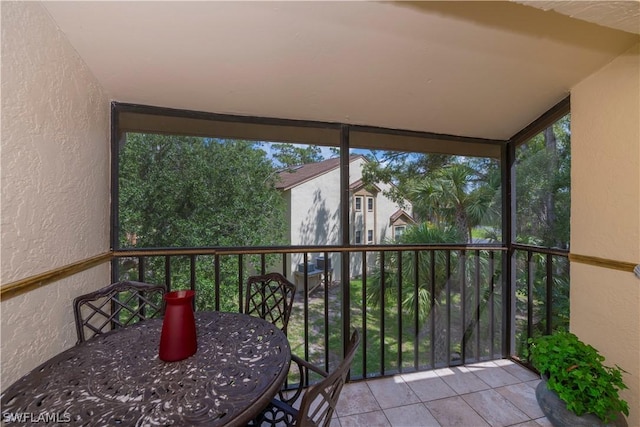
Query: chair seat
(318, 401)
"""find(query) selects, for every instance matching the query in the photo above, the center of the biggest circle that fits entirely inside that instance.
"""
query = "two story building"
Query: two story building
(312, 194)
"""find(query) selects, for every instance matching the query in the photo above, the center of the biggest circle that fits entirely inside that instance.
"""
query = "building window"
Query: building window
(398, 231)
(358, 237)
(370, 204)
(369, 236)
(358, 204)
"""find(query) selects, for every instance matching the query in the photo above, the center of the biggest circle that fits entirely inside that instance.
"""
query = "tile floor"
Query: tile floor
(497, 393)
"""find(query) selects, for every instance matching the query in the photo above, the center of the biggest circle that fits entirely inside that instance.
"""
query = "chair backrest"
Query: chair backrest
(270, 297)
(116, 305)
(319, 402)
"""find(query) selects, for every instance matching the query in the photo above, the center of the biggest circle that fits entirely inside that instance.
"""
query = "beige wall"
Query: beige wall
(605, 215)
(55, 183)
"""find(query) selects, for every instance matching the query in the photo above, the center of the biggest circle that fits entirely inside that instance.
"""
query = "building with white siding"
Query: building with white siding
(312, 194)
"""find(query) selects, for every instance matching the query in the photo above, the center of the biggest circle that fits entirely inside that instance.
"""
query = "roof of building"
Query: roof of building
(296, 175)
(357, 185)
(399, 214)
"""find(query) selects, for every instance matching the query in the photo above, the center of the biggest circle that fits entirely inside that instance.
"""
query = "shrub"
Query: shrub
(576, 373)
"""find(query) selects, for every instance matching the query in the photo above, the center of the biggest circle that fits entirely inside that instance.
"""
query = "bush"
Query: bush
(576, 373)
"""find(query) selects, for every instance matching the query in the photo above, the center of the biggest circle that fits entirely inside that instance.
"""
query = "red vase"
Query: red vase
(178, 339)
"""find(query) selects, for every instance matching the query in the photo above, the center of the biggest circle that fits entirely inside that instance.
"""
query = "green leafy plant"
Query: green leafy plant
(576, 373)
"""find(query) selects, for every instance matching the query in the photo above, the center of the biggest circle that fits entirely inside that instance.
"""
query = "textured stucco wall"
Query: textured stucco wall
(54, 180)
(605, 215)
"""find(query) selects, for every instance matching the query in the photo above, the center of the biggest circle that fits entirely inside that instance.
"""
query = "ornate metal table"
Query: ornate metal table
(117, 378)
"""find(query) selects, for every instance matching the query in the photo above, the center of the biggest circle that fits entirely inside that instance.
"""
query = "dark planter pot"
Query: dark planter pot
(557, 413)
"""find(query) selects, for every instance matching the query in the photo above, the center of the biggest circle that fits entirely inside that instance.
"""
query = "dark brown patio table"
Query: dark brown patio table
(118, 379)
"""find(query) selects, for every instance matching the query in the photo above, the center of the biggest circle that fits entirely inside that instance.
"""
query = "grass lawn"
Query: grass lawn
(320, 332)
(386, 335)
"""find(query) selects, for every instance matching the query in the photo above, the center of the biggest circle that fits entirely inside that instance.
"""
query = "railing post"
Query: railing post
(399, 307)
(549, 295)
(364, 311)
(383, 291)
(432, 314)
(507, 161)
(216, 286)
(416, 316)
(530, 290)
(167, 272)
(463, 304)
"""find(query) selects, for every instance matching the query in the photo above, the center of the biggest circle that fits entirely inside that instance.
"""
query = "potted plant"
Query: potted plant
(577, 388)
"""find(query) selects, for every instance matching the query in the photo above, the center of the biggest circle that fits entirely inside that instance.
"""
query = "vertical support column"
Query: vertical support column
(507, 166)
(117, 139)
(344, 228)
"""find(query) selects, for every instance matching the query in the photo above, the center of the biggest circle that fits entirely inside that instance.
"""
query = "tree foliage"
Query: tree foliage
(184, 192)
(458, 195)
(444, 190)
(400, 169)
(543, 187)
(294, 155)
(461, 193)
(179, 191)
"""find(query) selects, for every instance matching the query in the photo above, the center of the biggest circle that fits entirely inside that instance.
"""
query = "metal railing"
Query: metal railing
(541, 294)
(417, 307)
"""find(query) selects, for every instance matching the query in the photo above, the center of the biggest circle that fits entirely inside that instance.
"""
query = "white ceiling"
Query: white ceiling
(480, 69)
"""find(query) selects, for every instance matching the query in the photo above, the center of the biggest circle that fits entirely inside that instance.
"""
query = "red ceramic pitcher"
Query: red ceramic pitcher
(178, 339)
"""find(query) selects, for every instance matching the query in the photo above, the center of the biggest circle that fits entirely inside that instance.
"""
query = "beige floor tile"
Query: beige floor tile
(429, 388)
(533, 384)
(390, 392)
(356, 398)
(495, 408)
(492, 374)
(460, 397)
(544, 422)
(416, 415)
(520, 372)
(455, 412)
(530, 423)
(503, 362)
(368, 419)
(540, 422)
(414, 376)
(461, 380)
(335, 422)
(524, 397)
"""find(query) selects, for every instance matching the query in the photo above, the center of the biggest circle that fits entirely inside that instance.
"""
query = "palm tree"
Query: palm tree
(441, 276)
(451, 201)
(458, 194)
(421, 299)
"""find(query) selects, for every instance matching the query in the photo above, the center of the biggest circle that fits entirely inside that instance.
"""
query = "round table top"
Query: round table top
(118, 379)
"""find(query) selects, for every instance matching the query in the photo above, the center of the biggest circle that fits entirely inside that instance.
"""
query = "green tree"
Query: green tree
(420, 233)
(543, 184)
(177, 191)
(543, 187)
(438, 273)
(458, 195)
(185, 191)
(402, 170)
(446, 190)
(294, 155)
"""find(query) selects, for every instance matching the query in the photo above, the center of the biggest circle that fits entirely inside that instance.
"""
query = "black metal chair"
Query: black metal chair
(318, 402)
(270, 297)
(117, 305)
